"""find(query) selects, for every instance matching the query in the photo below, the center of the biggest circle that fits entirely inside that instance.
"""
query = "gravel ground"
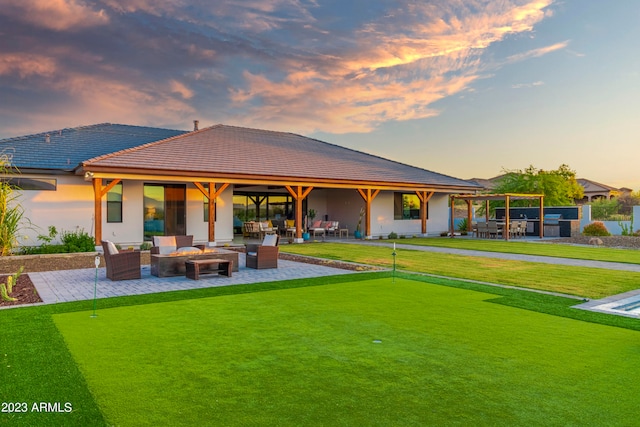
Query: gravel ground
(627, 242)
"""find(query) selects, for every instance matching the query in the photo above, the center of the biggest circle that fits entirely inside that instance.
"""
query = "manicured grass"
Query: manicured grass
(579, 281)
(631, 256)
(305, 352)
(308, 356)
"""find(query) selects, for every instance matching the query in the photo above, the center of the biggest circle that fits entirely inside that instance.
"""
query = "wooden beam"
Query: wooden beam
(424, 197)
(299, 193)
(97, 208)
(507, 219)
(541, 231)
(452, 209)
(266, 180)
(211, 194)
(98, 194)
(368, 197)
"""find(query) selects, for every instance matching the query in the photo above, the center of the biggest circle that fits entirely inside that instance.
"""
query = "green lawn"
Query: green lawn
(305, 353)
(309, 356)
(531, 247)
(359, 349)
(579, 281)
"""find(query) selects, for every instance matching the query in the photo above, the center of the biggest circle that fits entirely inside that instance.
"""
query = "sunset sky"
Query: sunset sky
(467, 88)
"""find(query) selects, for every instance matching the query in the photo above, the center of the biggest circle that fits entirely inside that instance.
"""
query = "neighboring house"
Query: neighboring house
(127, 183)
(595, 190)
(487, 184)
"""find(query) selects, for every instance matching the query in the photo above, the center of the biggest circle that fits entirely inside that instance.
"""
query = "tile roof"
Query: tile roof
(592, 186)
(65, 149)
(230, 150)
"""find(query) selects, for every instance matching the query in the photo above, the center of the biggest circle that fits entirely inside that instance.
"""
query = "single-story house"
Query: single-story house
(594, 190)
(126, 183)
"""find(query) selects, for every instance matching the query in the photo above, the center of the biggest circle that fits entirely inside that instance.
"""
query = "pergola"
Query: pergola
(506, 197)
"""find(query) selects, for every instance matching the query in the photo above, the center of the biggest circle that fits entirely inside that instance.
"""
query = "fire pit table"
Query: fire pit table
(174, 264)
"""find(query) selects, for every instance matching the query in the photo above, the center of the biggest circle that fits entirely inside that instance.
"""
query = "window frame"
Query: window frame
(115, 204)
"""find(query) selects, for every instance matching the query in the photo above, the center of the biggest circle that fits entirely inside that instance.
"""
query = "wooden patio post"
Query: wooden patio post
(211, 194)
(469, 216)
(98, 194)
(541, 231)
(368, 197)
(424, 199)
(507, 218)
(452, 208)
(299, 193)
(97, 208)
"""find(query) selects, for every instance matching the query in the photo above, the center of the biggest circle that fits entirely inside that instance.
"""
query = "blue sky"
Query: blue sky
(464, 88)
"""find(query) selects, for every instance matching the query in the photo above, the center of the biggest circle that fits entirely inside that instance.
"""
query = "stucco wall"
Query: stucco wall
(344, 206)
(69, 208)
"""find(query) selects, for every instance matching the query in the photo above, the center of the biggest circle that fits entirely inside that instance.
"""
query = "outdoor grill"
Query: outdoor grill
(552, 225)
(552, 219)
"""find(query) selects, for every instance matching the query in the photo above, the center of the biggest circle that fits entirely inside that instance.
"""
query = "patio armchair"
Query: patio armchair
(332, 227)
(121, 265)
(267, 227)
(251, 228)
(264, 255)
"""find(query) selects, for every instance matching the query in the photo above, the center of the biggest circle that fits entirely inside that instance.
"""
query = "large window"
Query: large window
(262, 206)
(406, 206)
(114, 203)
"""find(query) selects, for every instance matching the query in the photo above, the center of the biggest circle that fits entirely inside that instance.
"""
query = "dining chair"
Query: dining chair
(493, 229)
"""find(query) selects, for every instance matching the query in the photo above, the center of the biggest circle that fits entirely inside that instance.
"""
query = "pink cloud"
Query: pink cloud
(401, 65)
(26, 65)
(58, 15)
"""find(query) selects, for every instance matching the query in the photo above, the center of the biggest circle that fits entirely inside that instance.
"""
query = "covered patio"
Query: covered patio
(506, 197)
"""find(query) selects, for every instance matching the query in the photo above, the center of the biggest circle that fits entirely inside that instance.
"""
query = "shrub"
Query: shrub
(11, 211)
(393, 235)
(72, 241)
(7, 289)
(596, 228)
(145, 246)
(78, 241)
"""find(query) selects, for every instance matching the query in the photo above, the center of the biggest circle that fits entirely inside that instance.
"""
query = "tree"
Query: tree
(627, 201)
(559, 187)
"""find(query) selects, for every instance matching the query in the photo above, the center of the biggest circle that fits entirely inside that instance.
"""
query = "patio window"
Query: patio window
(114, 203)
(406, 206)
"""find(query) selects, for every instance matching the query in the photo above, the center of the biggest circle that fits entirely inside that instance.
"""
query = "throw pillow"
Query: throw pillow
(112, 248)
(270, 240)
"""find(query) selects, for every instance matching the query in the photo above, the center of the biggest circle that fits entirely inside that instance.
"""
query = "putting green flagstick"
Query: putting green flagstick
(95, 286)
(394, 262)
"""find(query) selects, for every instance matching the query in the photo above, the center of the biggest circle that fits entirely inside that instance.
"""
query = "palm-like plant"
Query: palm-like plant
(11, 211)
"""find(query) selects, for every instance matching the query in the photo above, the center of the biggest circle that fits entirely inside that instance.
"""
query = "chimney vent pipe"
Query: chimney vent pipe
(195, 124)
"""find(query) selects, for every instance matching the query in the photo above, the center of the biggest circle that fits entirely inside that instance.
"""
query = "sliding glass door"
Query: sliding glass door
(165, 210)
